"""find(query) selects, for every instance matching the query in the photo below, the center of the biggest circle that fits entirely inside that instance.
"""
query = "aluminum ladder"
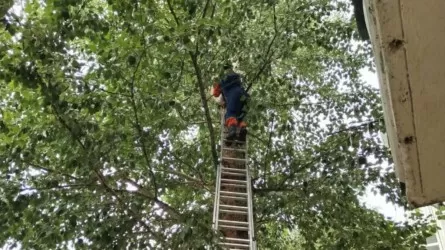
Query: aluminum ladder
(233, 209)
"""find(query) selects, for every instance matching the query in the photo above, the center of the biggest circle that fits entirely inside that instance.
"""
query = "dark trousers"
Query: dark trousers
(236, 99)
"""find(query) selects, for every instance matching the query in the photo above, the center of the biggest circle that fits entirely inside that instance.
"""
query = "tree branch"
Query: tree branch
(269, 145)
(205, 9)
(68, 186)
(180, 174)
(172, 11)
(76, 137)
(70, 129)
(206, 109)
(365, 124)
(137, 122)
(50, 170)
(267, 57)
(113, 93)
(202, 91)
(142, 191)
(189, 166)
(99, 175)
(275, 20)
(255, 136)
(213, 10)
(267, 190)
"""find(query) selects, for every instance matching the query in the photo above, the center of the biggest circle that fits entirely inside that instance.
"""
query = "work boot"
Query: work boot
(231, 135)
(242, 134)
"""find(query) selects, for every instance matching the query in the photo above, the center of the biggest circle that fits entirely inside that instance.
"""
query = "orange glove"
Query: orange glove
(216, 89)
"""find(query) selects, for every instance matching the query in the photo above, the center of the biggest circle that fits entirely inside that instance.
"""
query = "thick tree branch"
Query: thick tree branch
(73, 133)
(206, 109)
(121, 202)
(99, 175)
(137, 121)
(213, 10)
(50, 170)
(202, 91)
(68, 186)
(197, 172)
(142, 191)
(362, 125)
(185, 176)
(172, 11)
(204, 12)
(275, 20)
(278, 189)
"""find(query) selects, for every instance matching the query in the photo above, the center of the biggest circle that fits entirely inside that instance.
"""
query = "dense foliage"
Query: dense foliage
(108, 137)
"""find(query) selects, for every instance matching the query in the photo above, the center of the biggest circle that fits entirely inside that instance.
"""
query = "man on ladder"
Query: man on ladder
(233, 208)
(235, 97)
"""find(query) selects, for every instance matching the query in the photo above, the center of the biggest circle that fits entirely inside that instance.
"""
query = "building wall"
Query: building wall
(407, 38)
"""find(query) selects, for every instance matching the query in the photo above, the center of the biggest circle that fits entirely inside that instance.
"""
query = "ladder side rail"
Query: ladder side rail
(215, 204)
(218, 179)
(250, 203)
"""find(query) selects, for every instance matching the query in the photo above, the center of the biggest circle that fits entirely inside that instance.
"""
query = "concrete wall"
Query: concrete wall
(408, 41)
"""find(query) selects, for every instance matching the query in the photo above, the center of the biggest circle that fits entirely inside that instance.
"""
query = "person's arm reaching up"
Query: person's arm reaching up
(216, 90)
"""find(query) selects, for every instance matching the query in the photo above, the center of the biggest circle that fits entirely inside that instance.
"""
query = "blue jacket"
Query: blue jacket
(230, 81)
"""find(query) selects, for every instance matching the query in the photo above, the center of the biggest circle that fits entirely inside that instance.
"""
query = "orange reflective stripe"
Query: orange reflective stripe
(231, 121)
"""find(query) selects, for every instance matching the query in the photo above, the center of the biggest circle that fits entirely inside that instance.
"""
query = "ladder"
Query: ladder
(233, 211)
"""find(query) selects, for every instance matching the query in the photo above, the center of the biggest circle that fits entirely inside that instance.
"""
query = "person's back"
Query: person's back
(231, 80)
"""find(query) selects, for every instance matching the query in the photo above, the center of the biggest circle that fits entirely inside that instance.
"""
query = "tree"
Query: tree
(108, 139)
(5, 6)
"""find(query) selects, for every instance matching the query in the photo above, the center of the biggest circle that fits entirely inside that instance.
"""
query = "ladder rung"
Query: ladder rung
(234, 222)
(233, 245)
(236, 239)
(240, 142)
(233, 174)
(234, 181)
(233, 197)
(234, 159)
(233, 227)
(233, 207)
(235, 149)
(233, 185)
(233, 193)
(243, 168)
(233, 169)
(232, 211)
